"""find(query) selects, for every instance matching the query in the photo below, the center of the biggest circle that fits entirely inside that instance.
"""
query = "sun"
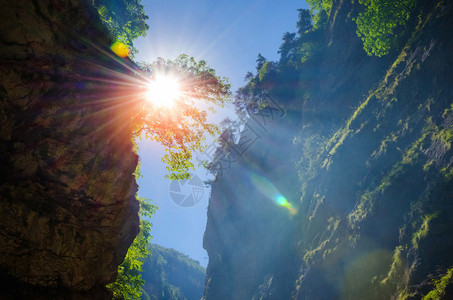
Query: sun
(163, 91)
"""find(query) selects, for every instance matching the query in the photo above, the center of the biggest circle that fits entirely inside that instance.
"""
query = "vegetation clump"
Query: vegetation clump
(125, 19)
(440, 287)
(382, 24)
(129, 283)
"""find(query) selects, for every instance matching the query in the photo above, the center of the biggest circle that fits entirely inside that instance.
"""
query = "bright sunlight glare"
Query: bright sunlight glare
(163, 90)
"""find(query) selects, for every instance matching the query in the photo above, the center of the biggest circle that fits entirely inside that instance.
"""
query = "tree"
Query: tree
(129, 282)
(382, 24)
(288, 46)
(125, 19)
(267, 74)
(260, 60)
(182, 130)
(317, 5)
(304, 23)
(248, 76)
(319, 11)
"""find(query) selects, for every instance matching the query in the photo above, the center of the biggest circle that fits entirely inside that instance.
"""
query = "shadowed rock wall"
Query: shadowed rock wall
(68, 211)
(374, 159)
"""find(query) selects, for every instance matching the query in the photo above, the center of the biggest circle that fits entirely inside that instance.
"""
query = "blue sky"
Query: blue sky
(228, 35)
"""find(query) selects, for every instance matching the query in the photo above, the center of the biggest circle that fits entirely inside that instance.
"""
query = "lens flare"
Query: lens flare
(120, 49)
(268, 189)
(163, 90)
(281, 201)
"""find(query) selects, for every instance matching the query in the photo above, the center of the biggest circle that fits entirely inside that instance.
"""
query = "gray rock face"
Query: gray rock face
(68, 211)
(373, 153)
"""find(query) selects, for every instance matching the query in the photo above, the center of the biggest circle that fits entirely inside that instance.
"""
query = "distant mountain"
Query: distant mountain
(169, 274)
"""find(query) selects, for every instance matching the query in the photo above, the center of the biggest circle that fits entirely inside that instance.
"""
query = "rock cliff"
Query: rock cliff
(68, 211)
(363, 156)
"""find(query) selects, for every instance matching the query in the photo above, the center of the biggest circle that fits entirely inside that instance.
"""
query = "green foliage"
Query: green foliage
(265, 70)
(446, 136)
(125, 19)
(260, 61)
(382, 23)
(396, 269)
(129, 283)
(288, 46)
(304, 22)
(319, 11)
(439, 290)
(410, 157)
(447, 173)
(295, 52)
(318, 5)
(310, 161)
(422, 232)
(182, 130)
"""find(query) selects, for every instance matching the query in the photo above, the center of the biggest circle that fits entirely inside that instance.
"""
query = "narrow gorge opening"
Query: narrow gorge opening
(325, 173)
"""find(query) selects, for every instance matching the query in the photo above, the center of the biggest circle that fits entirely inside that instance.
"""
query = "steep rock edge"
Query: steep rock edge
(248, 238)
(375, 178)
(169, 274)
(68, 211)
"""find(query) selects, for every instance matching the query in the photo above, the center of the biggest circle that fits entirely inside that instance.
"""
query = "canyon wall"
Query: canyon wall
(363, 155)
(68, 211)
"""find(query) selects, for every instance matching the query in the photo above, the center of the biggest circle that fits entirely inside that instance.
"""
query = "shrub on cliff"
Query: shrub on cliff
(129, 283)
(382, 23)
(125, 19)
